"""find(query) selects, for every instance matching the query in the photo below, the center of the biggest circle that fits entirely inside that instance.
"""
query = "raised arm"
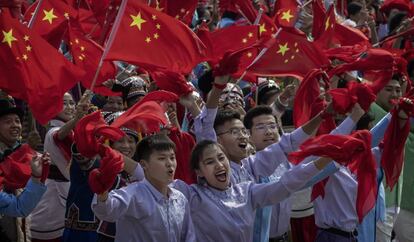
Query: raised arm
(264, 194)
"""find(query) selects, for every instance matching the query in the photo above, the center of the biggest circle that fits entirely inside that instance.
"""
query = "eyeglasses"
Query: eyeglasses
(236, 132)
(264, 127)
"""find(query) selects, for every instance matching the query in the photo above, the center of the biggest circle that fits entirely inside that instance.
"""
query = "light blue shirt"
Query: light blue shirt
(338, 208)
(23, 204)
(229, 215)
(142, 213)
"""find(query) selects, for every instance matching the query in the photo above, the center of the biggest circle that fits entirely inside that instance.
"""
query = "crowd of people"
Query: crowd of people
(223, 160)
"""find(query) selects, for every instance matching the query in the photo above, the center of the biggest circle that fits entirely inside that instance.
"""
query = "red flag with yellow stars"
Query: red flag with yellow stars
(319, 13)
(154, 40)
(86, 54)
(290, 55)
(326, 30)
(231, 39)
(267, 25)
(32, 70)
(51, 21)
(333, 33)
(182, 9)
(286, 13)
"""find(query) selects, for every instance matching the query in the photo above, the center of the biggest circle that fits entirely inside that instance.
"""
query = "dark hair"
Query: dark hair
(354, 8)
(410, 67)
(364, 121)
(230, 15)
(224, 116)
(198, 152)
(255, 112)
(397, 76)
(149, 144)
(205, 82)
(395, 21)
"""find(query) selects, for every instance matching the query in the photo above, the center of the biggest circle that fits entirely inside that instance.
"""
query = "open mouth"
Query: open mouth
(125, 152)
(15, 132)
(170, 173)
(243, 145)
(221, 176)
(270, 140)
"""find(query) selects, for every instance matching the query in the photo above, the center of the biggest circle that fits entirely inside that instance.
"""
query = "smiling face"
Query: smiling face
(234, 137)
(126, 146)
(214, 167)
(391, 91)
(160, 167)
(68, 111)
(10, 129)
(113, 104)
(264, 131)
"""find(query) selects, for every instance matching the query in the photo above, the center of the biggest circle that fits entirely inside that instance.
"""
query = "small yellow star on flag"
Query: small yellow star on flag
(8, 37)
(262, 28)
(148, 39)
(49, 16)
(28, 48)
(137, 21)
(26, 38)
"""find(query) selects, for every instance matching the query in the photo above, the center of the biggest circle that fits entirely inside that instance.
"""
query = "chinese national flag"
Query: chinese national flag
(267, 25)
(232, 38)
(32, 70)
(290, 55)
(286, 13)
(51, 20)
(181, 9)
(350, 36)
(319, 13)
(154, 40)
(86, 54)
(327, 31)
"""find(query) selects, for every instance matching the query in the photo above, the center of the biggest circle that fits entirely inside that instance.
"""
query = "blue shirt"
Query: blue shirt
(22, 205)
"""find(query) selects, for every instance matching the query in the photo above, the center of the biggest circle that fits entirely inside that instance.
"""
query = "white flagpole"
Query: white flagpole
(111, 38)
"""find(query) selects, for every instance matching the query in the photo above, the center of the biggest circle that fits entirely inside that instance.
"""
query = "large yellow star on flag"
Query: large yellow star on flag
(282, 49)
(49, 16)
(8, 37)
(137, 20)
(262, 28)
(286, 16)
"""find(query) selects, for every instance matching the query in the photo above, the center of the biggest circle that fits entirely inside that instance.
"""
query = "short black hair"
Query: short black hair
(395, 21)
(224, 116)
(410, 67)
(354, 8)
(364, 121)
(156, 142)
(205, 82)
(255, 112)
(397, 76)
(198, 151)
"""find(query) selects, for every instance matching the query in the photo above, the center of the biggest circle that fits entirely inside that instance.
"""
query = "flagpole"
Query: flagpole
(259, 16)
(262, 52)
(305, 4)
(108, 45)
(30, 24)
